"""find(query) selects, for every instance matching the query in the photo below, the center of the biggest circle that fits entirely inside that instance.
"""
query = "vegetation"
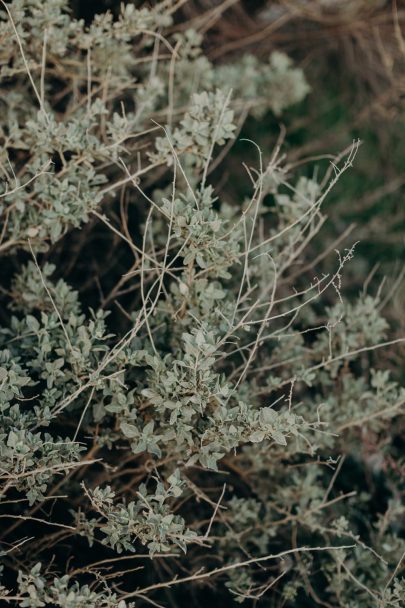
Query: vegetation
(191, 403)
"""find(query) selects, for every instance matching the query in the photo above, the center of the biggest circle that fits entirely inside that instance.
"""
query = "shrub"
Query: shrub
(207, 427)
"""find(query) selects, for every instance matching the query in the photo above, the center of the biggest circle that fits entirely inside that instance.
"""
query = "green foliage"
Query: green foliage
(35, 591)
(148, 520)
(233, 365)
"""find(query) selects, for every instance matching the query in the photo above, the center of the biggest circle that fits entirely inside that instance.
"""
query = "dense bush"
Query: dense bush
(218, 433)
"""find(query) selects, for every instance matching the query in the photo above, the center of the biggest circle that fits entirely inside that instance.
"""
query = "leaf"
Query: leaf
(12, 439)
(199, 338)
(32, 323)
(257, 436)
(268, 415)
(129, 430)
(278, 437)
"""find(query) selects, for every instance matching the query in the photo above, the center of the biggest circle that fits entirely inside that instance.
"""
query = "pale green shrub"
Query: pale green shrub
(216, 423)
